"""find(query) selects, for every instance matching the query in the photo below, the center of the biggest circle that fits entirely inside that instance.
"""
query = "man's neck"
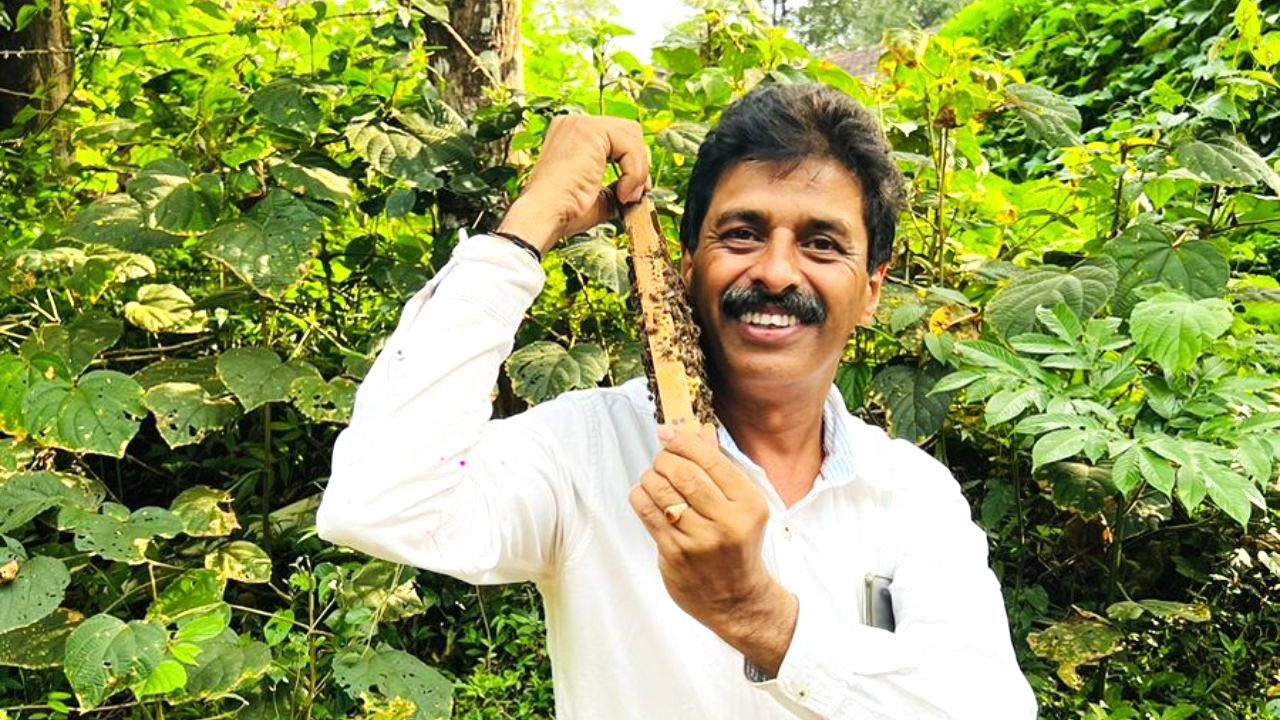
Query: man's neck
(780, 429)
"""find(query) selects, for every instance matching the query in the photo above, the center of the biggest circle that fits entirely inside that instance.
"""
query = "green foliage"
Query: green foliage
(192, 294)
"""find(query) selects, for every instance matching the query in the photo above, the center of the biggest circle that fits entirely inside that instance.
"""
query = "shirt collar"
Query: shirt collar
(838, 467)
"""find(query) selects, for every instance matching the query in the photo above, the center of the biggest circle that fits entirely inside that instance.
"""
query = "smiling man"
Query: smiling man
(748, 571)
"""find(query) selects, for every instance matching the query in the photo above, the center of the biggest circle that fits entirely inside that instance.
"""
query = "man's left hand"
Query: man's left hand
(710, 555)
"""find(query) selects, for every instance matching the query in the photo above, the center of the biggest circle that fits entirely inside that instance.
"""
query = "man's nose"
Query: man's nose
(778, 265)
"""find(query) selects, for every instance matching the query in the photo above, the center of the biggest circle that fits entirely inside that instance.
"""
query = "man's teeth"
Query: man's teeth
(770, 319)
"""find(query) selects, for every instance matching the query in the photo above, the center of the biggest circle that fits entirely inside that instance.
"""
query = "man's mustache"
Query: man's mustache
(806, 306)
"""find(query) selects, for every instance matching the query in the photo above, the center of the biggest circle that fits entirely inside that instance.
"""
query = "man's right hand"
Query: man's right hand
(565, 194)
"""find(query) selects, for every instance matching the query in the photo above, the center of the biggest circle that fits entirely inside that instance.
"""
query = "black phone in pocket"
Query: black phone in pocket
(877, 610)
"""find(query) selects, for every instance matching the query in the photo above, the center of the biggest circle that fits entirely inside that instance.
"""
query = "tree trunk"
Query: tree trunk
(490, 35)
(40, 78)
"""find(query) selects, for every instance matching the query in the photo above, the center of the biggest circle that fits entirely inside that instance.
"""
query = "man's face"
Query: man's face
(779, 279)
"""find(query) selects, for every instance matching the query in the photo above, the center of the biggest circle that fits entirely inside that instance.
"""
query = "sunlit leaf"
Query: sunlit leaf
(99, 413)
(115, 533)
(174, 200)
(76, 342)
(191, 594)
(205, 512)
(269, 248)
(1049, 116)
(544, 369)
(323, 401)
(602, 261)
(1171, 328)
(105, 655)
(257, 376)
(185, 413)
(1073, 643)
(240, 560)
(164, 308)
(25, 495)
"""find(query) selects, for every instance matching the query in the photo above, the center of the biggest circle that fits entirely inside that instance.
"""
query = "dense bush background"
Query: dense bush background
(205, 247)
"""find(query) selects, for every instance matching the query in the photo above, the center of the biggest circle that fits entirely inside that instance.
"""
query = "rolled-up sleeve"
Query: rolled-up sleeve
(950, 655)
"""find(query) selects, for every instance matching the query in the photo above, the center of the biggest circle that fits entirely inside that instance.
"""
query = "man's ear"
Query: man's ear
(875, 283)
(686, 266)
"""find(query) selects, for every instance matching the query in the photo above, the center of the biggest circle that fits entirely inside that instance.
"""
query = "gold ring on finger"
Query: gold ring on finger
(675, 511)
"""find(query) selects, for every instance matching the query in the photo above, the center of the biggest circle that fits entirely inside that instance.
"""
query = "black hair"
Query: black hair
(792, 122)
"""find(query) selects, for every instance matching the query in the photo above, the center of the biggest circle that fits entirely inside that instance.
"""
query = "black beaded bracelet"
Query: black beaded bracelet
(520, 243)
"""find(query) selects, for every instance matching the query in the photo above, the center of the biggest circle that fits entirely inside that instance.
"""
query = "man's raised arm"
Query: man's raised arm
(421, 475)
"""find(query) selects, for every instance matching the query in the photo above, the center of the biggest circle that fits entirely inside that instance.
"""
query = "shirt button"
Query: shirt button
(786, 532)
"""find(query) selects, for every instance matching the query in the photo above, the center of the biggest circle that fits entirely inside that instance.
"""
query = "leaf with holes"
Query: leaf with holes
(165, 308)
(41, 644)
(288, 103)
(257, 376)
(190, 595)
(542, 370)
(77, 342)
(395, 674)
(1050, 117)
(1084, 289)
(205, 512)
(1147, 254)
(116, 534)
(36, 589)
(185, 413)
(914, 412)
(105, 655)
(323, 401)
(99, 413)
(201, 371)
(175, 201)
(385, 589)
(270, 247)
(602, 261)
(1171, 328)
(1073, 643)
(1226, 160)
(240, 560)
(1163, 609)
(25, 495)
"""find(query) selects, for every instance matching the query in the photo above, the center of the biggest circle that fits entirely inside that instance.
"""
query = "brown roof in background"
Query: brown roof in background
(860, 63)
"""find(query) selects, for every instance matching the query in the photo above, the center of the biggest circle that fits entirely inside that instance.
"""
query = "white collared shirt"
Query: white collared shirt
(423, 476)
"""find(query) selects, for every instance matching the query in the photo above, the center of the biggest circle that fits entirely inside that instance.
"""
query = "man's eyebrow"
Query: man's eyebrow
(749, 217)
(833, 226)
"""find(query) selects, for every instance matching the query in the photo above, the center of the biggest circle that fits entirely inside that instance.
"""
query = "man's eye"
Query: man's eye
(824, 244)
(739, 234)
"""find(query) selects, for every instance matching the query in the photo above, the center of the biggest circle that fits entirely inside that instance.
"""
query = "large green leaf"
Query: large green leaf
(398, 154)
(1171, 328)
(201, 371)
(225, 664)
(323, 401)
(41, 644)
(99, 413)
(1084, 289)
(286, 102)
(104, 655)
(315, 181)
(185, 413)
(205, 512)
(174, 200)
(118, 221)
(1235, 494)
(1058, 445)
(17, 375)
(1147, 254)
(1049, 116)
(1226, 160)
(602, 261)
(1163, 609)
(270, 247)
(542, 370)
(35, 591)
(77, 342)
(905, 391)
(257, 376)
(240, 560)
(25, 495)
(165, 308)
(396, 674)
(1073, 643)
(116, 534)
(190, 595)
